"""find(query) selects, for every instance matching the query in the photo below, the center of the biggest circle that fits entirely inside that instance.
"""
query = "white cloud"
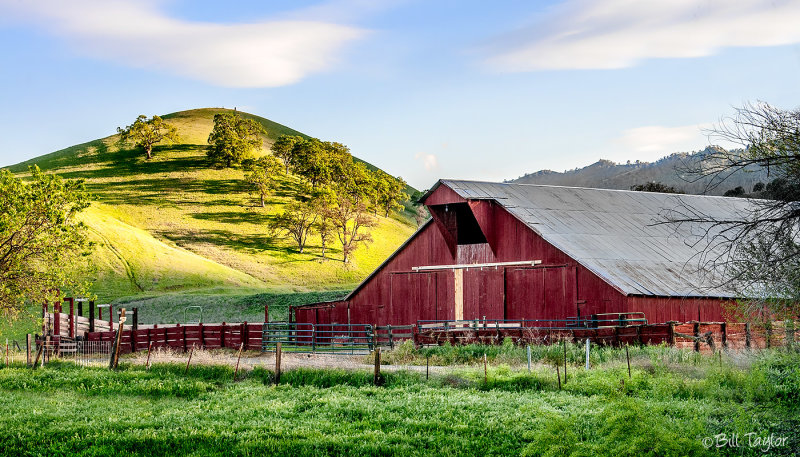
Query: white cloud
(663, 140)
(138, 34)
(608, 34)
(429, 161)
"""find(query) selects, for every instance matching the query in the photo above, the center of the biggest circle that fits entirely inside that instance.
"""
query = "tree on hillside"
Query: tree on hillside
(234, 138)
(348, 213)
(759, 252)
(391, 192)
(320, 162)
(283, 147)
(146, 133)
(655, 186)
(42, 245)
(296, 221)
(263, 175)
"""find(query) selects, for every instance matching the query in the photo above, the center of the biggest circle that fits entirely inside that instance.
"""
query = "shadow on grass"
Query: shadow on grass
(248, 243)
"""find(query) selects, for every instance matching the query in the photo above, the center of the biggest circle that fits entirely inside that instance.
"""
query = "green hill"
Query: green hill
(175, 226)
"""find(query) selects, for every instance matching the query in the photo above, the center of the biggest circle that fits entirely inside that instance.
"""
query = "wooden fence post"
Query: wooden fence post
(115, 353)
(245, 333)
(222, 336)
(697, 337)
(202, 337)
(111, 317)
(71, 317)
(241, 346)
(91, 315)
(189, 361)
(278, 351)
(565, 362)
(57, 318)
(28, 349)
(671, 333)
(377, 374)
(724, 329)
(266, 313)
(747, 335)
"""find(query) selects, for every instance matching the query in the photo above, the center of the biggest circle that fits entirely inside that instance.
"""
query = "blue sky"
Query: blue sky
(423, 89)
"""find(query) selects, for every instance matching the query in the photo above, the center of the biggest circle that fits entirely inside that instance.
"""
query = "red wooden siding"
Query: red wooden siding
(556, 289)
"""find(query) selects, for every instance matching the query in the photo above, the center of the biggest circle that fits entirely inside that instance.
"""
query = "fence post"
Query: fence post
(277, 362)
(222, 336)
(245, 335)
(111, 317)
(71, 317)
(28, 349)
(185, 346)
(565, 362)
(202, 337)
(115, 353)
(391, 339)
(723, 327)
(587, 353)
(747, 335)
(44, 318)
(697, 337)
(91, 315)
(377, 374)
(57, 318)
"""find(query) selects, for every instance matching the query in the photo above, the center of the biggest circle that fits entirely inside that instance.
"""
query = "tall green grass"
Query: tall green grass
(66, 410)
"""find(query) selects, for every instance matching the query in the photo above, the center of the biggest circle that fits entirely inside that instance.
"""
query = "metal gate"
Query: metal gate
(319, 338)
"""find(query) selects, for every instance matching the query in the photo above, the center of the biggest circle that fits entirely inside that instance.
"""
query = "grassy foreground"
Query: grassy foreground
(664, 409)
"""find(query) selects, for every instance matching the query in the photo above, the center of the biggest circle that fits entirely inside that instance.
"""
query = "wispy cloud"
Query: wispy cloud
(429, 161)
(663, 140)
(608, 34)
(139, 34)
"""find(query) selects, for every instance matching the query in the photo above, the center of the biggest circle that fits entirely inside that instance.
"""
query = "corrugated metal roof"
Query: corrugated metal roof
(616, 234)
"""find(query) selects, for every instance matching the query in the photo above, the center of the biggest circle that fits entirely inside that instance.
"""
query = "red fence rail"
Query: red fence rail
(183, 337)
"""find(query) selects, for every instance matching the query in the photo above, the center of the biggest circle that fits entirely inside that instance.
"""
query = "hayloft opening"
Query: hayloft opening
(457, 218)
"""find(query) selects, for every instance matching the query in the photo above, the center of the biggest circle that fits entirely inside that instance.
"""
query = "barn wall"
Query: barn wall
(557, 289)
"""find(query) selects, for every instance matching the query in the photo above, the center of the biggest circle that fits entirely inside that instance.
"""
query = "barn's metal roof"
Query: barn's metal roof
(620, 235)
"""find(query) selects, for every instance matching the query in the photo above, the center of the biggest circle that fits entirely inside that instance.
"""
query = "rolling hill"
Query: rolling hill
(606, 174)
(176, 227)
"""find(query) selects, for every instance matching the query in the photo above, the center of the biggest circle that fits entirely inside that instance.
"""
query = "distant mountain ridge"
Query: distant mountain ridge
(605, 174)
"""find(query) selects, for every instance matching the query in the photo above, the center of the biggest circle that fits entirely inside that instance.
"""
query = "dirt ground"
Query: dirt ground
(289, 360)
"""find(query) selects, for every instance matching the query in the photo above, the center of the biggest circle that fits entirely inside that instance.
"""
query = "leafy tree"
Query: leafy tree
(296, 221)
(283, 148)
(234, 138)
(320, 162)
(738, 191)
(324, 225)
(758, 187)
(757, 251)
(350, 218)
(390, 192)
(42, 245)
(263, 175)
(146, 133)
(655, 186)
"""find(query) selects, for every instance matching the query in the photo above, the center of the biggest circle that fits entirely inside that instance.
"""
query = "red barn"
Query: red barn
(517, 251)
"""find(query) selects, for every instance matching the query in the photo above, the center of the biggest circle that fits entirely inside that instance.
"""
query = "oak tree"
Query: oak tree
(234, 138)
(146, 133)
(43, 246)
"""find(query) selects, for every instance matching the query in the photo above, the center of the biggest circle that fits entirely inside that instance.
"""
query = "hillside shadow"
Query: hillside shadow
(159, 190)
(252, 244)
(234, 217)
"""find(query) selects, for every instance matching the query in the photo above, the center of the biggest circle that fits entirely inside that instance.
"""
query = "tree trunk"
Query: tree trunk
(148, 150)
(262, 200)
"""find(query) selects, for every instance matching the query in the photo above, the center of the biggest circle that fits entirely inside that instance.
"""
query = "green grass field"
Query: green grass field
(666, 408)
(176, 230)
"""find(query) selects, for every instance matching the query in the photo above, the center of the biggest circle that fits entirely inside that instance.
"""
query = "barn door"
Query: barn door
(540, 293)
(413, 297)
(483, 293)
